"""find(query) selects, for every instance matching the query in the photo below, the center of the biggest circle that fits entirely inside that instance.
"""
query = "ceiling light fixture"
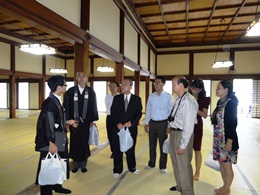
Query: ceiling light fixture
(58, 70)
(37, 49)
(254, 28)
(105, 68)
(221, 63)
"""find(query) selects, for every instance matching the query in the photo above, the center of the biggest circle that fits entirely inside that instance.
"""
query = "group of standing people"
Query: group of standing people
(185, 128)
(181, 120)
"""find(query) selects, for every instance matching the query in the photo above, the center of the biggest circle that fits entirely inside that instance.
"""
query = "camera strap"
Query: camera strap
(177, 106)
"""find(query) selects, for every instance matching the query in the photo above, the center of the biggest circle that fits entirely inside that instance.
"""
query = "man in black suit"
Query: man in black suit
(126, 111)
(51, 120)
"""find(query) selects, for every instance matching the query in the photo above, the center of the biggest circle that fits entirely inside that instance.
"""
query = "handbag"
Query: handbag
(125, 139)
(53, 170)
(60, 142)
(210, 162)
(93, 136)
(166, 146)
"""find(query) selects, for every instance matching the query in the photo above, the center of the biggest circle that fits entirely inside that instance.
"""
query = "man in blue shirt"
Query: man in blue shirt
(158, 108)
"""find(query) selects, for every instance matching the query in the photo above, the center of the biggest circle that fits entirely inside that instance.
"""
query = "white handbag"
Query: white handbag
(53, 170)
(125, 139)
(210, 162)
(166, 146)
(93, 136)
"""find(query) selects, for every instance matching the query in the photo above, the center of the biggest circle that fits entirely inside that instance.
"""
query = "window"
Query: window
(4, 95)
(23, 95)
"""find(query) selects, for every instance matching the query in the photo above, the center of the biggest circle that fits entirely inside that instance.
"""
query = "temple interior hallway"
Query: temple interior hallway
(18, 163)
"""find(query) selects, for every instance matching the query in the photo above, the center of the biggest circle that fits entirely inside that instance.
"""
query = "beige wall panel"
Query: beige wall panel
(103, 62)
(70, 68)
(33, 99)
(5, 56)
(128, 72)
(26, 62)
(247, 62)
(130, 42)
(142, 94)
(214, 98)
(68, 9)
(53, 62)
(152, 62)
(144, 54)
(104, 22)
(176, 64)
(203, 63)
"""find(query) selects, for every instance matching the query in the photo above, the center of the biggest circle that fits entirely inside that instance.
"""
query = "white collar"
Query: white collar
(127, 96)
(59, 98)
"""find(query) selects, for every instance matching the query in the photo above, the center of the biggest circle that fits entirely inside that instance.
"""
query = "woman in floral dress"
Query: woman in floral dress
(225, 144)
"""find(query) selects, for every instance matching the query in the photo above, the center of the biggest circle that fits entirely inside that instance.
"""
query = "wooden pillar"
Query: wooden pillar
(12, 99)
(232, 59)
(12, 86)
(81, 63)
(120, 66)
(137, 82)
(119, 72)
(42, 83)
(42, 91)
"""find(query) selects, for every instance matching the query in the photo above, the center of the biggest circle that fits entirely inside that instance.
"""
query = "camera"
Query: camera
(170, 118)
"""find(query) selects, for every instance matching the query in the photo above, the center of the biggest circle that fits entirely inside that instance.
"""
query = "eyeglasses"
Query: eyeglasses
(64, 85)
(123, 84)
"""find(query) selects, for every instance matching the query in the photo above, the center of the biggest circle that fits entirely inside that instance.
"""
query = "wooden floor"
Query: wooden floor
(18, 163)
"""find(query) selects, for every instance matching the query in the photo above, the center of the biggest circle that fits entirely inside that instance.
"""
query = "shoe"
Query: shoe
(136, 172)
(60, 189)
(112, 156)
(84, 170)
(148, 167)
(174, 188)
(163, 171)
(115, 174)
(74, 170)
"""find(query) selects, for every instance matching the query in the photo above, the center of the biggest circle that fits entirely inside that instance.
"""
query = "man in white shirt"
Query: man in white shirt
(158, 108)
(113, 87)
(181, 124)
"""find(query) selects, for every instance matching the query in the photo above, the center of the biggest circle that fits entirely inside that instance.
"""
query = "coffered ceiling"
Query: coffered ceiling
(173, 23)
(167, 23)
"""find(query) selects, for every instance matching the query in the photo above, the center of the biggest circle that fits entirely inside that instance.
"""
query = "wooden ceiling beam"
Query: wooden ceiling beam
(237, 6)
(36, 15)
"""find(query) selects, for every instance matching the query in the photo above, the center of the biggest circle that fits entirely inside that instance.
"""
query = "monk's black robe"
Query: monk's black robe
(79, 147)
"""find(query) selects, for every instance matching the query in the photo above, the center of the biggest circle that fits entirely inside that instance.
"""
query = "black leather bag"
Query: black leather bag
(60, 141)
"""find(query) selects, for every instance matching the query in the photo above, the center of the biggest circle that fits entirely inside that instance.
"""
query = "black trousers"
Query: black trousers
(118, 155)
(47, 189)
(110, 126)
(157, 130)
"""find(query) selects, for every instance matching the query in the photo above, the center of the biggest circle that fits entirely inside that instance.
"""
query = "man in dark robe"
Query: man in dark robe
(80, 104)
(51, 120)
